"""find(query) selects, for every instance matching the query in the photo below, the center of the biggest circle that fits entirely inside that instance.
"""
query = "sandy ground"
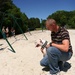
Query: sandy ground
(26, 60)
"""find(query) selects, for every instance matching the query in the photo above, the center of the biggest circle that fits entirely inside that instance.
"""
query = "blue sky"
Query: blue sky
(43, 8)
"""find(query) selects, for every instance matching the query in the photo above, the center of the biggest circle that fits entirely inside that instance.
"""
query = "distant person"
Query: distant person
(4, 31)
(7, 32)
(59, 50)
(13, 32)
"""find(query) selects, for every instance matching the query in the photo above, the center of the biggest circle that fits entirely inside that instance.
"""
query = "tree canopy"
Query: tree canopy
(10, 13)
(66, 18)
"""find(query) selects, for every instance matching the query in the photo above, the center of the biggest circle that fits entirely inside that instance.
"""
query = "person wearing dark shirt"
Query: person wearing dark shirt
(59, 49)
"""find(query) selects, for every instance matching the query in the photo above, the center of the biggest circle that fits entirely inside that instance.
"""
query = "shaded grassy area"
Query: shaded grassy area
(40, 29)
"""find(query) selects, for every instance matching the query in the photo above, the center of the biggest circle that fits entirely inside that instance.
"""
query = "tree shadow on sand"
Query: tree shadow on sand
(66, 67)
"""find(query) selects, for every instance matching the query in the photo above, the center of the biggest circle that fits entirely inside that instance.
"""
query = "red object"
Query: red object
(37, 45)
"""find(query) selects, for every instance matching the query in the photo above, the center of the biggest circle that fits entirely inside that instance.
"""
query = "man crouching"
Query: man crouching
(59, 49)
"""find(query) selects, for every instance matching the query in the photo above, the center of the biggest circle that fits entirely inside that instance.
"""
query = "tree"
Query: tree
(7, 8)
(5, 5)
(34, 23)
(71, 22)
(64, 18)
(37, 23)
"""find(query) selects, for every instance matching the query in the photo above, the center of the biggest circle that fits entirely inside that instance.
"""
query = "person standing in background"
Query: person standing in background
(7, 32)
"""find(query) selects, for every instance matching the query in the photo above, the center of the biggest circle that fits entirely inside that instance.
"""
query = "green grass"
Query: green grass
(40, 29)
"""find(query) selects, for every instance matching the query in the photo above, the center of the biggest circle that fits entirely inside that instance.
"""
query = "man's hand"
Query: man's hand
(47, 46)
(42, 49)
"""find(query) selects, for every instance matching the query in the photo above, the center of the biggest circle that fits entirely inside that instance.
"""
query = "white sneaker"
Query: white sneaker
(54, 74)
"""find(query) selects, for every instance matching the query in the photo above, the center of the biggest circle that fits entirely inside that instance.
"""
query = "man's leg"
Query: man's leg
(54, 56)
(44, 61)
(65, 56)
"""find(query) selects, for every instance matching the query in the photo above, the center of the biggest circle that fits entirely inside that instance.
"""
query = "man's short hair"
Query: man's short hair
(51, 21)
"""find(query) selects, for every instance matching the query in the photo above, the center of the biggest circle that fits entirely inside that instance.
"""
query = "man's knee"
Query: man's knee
(41, 63)
(52, 50)
(44, 61)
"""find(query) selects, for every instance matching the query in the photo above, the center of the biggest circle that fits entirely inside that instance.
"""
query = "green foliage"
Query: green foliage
(5, 5)
(9, 13)
(64, 18)
(71, 22)
(10, 16)
(43, 23)
(34, 23)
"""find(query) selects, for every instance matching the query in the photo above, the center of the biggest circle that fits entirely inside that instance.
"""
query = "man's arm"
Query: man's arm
(64, 46)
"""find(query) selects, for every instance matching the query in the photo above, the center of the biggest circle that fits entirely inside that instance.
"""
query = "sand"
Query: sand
(26, 60)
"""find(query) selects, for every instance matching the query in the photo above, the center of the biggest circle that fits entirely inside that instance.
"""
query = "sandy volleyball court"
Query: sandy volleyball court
(26, 60)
